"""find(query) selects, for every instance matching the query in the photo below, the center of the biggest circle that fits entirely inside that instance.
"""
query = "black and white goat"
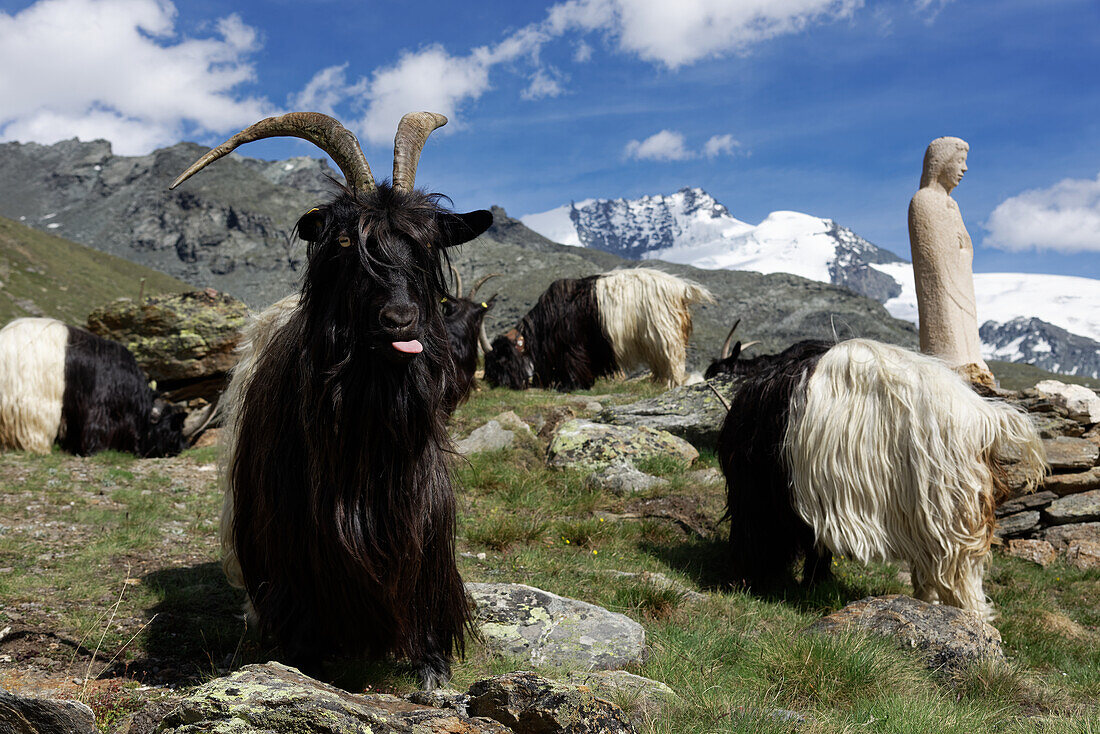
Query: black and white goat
(874, 452)
(339, 516)
(464, 317)
(731, 362)
(585, 328)
(63, 383)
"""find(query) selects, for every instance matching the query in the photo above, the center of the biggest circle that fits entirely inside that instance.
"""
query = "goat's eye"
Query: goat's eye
(344, 240)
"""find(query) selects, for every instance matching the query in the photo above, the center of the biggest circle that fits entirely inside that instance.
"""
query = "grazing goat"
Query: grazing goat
(582, 329)
(464, 318)
(732, 363)
(339, 515)
(874, 452)
(62, 382)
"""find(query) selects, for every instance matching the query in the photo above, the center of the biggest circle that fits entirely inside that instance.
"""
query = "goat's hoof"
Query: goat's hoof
(433, 673)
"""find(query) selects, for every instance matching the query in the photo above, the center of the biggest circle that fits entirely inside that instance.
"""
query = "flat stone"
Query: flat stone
(1080, 403)
(1062, 536)
(692, 412)
(276, 699)
(489, 437)
(27, 715)
(1063, 484)
(1026, 502)
(1018, 524)
(623, 478)
(949, 637)
(1070, 454)
(710, 475)
(513, 422)
(1036, 551)
(584, 445)
(546, 629)
(1084, 554)
(1053, 425)
(1074, 508)
(642, 698)
(531, 704)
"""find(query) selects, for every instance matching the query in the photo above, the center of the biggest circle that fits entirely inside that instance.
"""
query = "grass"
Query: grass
(76, 533)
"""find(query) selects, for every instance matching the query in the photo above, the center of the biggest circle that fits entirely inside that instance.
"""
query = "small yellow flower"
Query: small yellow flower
(595, 552)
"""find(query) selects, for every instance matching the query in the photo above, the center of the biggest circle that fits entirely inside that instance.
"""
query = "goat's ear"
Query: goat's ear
(459, 228)
(311, 225)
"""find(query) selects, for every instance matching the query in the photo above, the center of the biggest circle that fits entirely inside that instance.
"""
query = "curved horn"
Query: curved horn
(458, 280)
(746, 345)
(729, 339)
(483, 340)
(323, 131)
(412, 133)
(482, 282)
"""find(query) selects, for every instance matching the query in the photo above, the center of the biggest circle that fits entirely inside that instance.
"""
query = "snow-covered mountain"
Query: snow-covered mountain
(1049, 320)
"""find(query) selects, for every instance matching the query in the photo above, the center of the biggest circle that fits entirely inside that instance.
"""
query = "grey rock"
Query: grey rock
(441, 698)
(277, 699)
(1084, 554)
(585, 445)
(1075, 508)
(1018, 524)
(1036, 551)
(23, 715)
(1070, 454)
(692, 412)
(1062, 536)
(623, 478)
(1063, 484)
(949, 637)
(642, 698)
(509, 420)
(530, 704)
(1026, 502)
(1080, 403)
(489, 437)
(1053, 425)
(547, 629)
(709, 475)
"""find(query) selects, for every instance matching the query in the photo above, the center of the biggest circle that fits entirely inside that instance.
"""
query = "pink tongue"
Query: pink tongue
(413, 347)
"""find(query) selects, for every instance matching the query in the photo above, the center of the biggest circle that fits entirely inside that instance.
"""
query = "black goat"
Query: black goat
(65, 383)
(339, 517)
(465, 321)
(732, 363)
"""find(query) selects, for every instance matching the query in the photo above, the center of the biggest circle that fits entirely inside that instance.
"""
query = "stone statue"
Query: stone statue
(943, 258)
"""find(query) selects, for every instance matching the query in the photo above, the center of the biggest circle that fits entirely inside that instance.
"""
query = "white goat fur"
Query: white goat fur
(254, 340)
(890, 456)
(32, 383)
(646, 315)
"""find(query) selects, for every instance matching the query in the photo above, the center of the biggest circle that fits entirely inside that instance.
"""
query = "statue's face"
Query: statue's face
(953, 170)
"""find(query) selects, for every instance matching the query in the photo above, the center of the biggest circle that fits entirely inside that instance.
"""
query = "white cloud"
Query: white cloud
(1064, 217)
(720, 145)
(327, 88)
(116, 69)
(666, 145)
(545, 82)
(582, 53)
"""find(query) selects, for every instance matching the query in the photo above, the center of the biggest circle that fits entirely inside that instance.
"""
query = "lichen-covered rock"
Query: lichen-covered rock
(641, 698)
(623, 478)
(530, 704)
(1080, 403)
(275, 699)
(949, 637)
(178, 339)
(692, 412)
(1029, 549)
(489, 437)
(546, 629)
(1066, 453)
(584, 445)
(23, 715)
(1074, 508)
(1017, 524)
(1062, 536)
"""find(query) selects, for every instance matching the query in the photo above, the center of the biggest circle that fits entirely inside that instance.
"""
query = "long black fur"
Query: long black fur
(564, 346)
(107, 402)
(463, 318)
(344, 514)
(766, 534)
(740, 366)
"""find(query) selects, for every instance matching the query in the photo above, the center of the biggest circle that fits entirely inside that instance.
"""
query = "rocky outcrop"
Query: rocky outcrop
(588, 446)
(23, 715)
(530, 704)
(948, 637)
(542, 628)
(692, 412)
(623, 478)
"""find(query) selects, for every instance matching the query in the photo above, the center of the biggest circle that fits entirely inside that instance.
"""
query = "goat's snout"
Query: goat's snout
(398, 317)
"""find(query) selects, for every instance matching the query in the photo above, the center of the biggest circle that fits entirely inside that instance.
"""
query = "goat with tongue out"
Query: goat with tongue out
(339, 515)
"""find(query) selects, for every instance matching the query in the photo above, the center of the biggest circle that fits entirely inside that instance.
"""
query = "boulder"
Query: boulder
(1018, 524)
(530, 704)
(186, 341)
(1079, 402)
(277, 699)
(623, 478)
(692, 412)
(489, 437)
(642, 698)
(513, 422)
(1084, 554)
(584, 445)
(1066, 453)
(1063, 484)
(1036, 551)
(23, 715)
(1062, 536)
(546, 629)
(949, 637)
(1074, 508)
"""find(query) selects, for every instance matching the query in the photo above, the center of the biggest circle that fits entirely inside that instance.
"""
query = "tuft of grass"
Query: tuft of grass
(500, 532)
(648, 601)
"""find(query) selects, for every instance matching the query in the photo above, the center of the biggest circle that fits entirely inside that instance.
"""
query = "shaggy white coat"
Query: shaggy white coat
(32, 383)
(255, 337)
(646, 315)
(890, 454)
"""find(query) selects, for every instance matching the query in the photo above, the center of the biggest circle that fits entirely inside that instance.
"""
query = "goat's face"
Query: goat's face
(375, 267)
(164, 434)
(509, 364)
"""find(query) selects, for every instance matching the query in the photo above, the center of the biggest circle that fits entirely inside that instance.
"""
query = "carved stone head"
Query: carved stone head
(945, 162)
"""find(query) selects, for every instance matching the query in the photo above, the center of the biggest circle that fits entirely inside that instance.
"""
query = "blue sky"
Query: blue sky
(819, 106)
